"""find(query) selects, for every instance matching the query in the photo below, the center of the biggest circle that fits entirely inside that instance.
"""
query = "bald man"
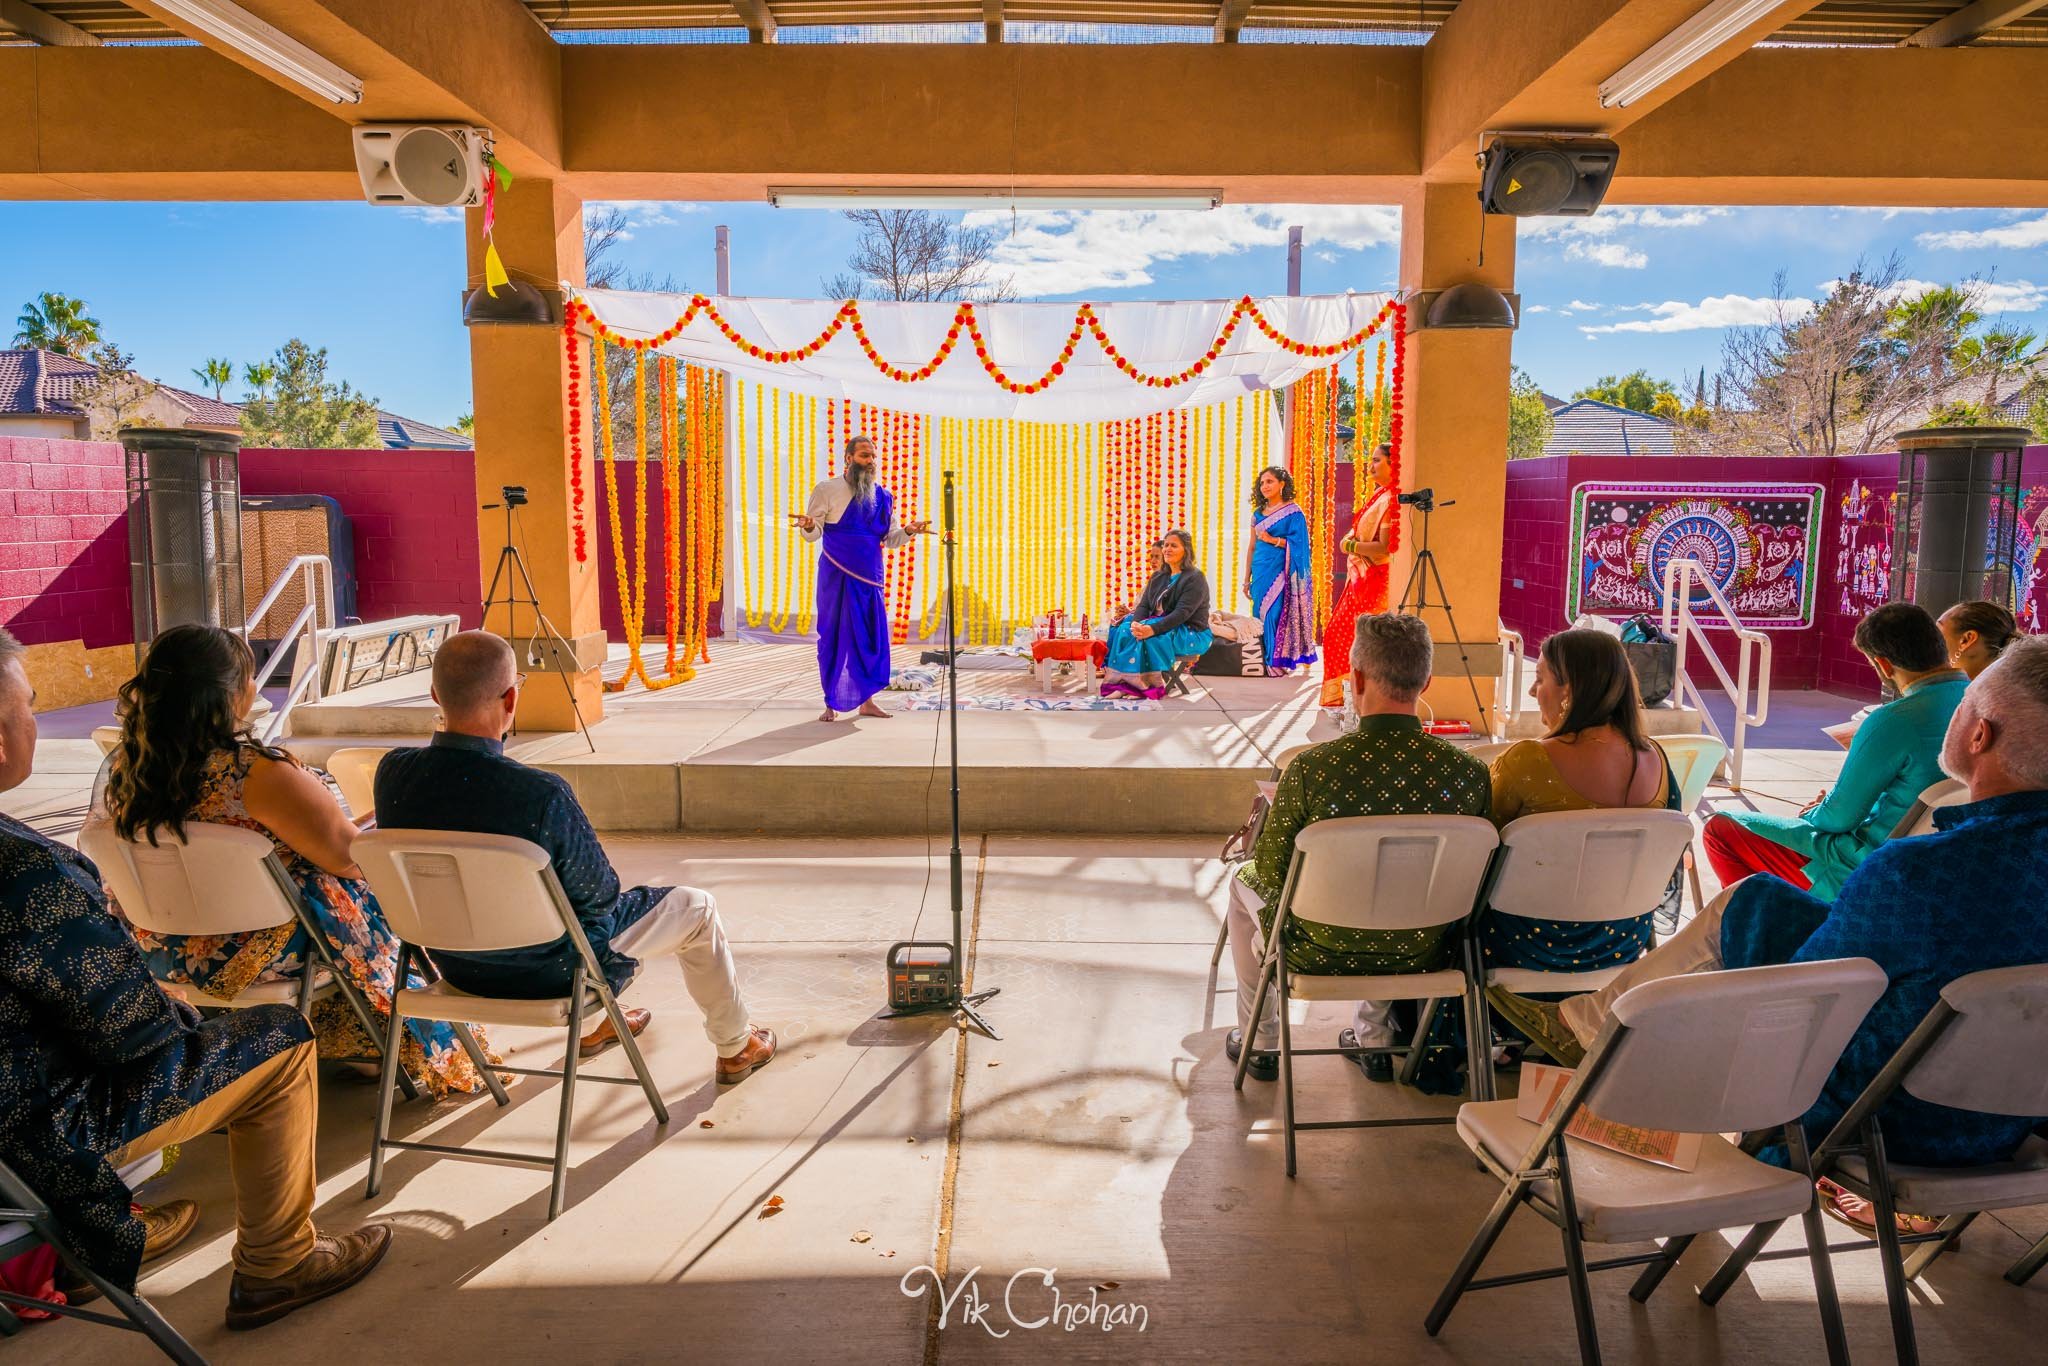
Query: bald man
(462, 781)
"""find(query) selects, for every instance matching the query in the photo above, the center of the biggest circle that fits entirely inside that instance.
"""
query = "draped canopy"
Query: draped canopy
(1051, 358)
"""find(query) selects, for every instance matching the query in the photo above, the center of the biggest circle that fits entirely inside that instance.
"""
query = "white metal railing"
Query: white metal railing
(1509, 695)
(317, 577)
(1752, 680)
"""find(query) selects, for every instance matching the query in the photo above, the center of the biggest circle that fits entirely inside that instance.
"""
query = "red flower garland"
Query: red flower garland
(571, 350)
(1394, 426)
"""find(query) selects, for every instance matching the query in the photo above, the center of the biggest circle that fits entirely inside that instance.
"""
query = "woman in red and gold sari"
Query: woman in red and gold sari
(1365, 549)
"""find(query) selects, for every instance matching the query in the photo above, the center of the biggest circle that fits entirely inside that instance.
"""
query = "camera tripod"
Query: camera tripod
(1418, 588)
(510, 559)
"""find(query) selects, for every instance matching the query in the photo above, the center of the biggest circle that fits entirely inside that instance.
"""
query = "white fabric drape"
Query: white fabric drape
(1023, 339)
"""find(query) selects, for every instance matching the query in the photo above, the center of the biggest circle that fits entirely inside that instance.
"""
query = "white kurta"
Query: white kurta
(829, 501)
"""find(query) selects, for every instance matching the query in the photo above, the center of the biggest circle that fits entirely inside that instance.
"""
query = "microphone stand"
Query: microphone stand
(964, 1004)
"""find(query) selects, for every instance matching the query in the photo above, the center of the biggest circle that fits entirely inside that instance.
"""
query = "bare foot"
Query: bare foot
(868, 708)
(828, 715)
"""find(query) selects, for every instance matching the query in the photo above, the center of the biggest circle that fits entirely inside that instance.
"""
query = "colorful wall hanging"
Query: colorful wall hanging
(1758, 543)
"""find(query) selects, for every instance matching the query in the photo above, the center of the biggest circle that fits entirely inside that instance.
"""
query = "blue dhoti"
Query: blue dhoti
(853, 621)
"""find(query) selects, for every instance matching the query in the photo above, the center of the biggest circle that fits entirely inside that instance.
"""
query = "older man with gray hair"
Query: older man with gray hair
(1388, 766)
(1971, 896)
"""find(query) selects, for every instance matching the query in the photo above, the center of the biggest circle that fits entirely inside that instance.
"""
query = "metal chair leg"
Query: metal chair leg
(1413, 1062)
(9, 1324)
(1251, 1026)
(2023, 1270)
(1950, 1229)
(387, 1075)
(1490, 1229)
(1730, 1271)
(1692, 876)
(316, 939)
(1286, 1058)
(1222, 941)
(1830, 1302)
(143, 1315)
(1653, 1275)
(1904, 1345)
(569, 1060)
(631, 1046)
(465, 1036)
(1575, 1261)
(1478, 1026)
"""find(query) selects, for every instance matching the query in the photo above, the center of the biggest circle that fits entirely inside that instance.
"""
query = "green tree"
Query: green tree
(2037, 413)
(1996, 355)
(1931, 327)
(307, 411)
(115, 395)
(216, 373)
(1961, 412)
(57, 322)
(466, 424)
(1635, 390)
(259, 375)
(1529, 422)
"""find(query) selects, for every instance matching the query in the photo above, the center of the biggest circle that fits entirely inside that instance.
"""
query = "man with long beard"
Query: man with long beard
(856, 520)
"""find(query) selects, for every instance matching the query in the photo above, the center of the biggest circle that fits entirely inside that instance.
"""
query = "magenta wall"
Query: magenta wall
(414, 516)
(64, 542)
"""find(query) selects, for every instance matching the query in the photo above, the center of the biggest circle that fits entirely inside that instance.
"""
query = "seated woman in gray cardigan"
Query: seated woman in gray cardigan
(1171, 621)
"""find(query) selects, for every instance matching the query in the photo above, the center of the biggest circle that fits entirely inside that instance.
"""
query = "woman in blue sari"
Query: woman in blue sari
(1277, 577)
(1171, 621)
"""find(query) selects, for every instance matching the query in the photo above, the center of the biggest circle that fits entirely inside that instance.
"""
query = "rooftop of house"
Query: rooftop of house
(1588, 426)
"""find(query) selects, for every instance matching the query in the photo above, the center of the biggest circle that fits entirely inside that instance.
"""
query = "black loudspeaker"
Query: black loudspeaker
(1561, 176)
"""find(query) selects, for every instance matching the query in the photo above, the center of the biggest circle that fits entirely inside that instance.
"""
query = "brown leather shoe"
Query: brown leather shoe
(741, 1065)
(333, 1265)
(167, 1225)
(604, 1036)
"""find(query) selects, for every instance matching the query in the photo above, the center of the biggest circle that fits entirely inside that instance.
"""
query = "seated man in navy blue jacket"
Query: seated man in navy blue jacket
(463, 782)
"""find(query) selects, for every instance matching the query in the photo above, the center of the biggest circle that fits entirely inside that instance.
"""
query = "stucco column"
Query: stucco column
(520, 381)
(1455, 405)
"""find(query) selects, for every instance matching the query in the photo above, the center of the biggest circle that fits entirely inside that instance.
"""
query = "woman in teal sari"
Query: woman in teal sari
(1170, 622)
(1277, 578)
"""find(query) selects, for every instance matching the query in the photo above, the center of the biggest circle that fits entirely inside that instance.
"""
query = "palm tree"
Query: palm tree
(1999, 354)
(216, 372)
(57, 322)
(1928, 328)
(466, 424)
(259, 375)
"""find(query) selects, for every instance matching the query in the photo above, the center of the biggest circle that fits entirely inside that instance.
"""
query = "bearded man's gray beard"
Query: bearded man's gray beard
(862, 480)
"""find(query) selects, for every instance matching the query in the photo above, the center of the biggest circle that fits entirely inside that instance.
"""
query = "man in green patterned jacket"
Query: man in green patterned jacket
(1386, 767)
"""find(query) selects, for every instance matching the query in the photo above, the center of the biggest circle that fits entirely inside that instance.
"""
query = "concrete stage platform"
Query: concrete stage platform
(739, 749)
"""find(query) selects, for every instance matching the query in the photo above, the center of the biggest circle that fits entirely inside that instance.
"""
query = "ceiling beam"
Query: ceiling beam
(759, 19)
(1230, 16)
(1972, 22)
(483, 62)
(992, 21)
(1505, 65)
(41, 26)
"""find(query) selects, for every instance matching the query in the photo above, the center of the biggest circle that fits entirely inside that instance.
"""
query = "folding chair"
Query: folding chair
(1175, 682)
(1583, 866)
(1376, 873)
(1919, 817)
(1983, 1047)
(27, 1219)
(1694, 761)
(1707, 1054)
(222, 879)
(464, 893)
(354, 771)
(1238, 850)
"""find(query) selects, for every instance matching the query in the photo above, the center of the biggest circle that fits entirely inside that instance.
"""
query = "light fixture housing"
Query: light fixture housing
(958, 197)
(282, 53)
(1692, 40)
(1469, 305)
(517, 304)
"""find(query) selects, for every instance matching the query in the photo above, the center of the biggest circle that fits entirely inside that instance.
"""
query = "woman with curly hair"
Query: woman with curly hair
(187, 755)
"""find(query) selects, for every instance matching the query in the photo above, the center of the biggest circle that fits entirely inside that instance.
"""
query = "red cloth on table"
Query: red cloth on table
(1076, 648)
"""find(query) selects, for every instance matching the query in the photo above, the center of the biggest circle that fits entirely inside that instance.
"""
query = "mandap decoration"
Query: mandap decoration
(1078, 434)
(1758, 543)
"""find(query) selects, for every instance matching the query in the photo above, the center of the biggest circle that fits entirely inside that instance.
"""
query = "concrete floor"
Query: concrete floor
(1101, 1139)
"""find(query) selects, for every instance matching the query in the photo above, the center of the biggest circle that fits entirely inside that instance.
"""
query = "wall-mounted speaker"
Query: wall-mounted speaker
(421, 163)
(1529, 175)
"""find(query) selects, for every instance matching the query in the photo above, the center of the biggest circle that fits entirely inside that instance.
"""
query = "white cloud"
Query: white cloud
(1617, 254)
(2012, 296)
(1069, 250)
(1581, 306)
(2020, 236)
(1537, 308)
(641, 213)
(433, 213)
(1722, 310)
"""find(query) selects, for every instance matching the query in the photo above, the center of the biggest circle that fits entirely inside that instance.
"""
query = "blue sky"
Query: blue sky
(380, 288)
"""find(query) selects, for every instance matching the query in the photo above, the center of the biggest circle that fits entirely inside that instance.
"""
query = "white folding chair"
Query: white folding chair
(1919, 817)
(1491, 750)
(1707, 1054)
(1376, 873)
(1982, 1048)
(354, 771)
(222, 879)
(467, 893)
(1583, 866)
(1694, 760)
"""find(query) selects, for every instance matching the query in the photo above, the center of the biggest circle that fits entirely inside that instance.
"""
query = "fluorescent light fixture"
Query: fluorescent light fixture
(1692, 40)
(993, 197)
(282, 53)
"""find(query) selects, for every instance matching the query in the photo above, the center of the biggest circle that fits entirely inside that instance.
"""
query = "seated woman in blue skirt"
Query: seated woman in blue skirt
(1171, 621)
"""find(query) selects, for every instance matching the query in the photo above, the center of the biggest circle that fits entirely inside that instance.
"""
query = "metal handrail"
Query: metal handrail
(1752, 680)
(1513, 652)
(318, 574)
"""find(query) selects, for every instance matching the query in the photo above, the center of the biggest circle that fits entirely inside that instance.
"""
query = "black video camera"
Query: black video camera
(514, 495)
(1420, 498)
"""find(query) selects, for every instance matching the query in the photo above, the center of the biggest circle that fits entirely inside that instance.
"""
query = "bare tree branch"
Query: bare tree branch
(915, 254)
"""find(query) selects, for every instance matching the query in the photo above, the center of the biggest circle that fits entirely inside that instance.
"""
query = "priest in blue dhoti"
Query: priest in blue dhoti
(855, 519)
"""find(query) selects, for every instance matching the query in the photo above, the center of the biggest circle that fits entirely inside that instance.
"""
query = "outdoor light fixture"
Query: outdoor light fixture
(1692, 40)
(990, 197)
(518, 304)
(281, 52)
(1468, 305)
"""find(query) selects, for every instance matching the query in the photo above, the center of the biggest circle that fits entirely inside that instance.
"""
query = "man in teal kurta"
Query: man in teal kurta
(1387, 767)
(1895, 755)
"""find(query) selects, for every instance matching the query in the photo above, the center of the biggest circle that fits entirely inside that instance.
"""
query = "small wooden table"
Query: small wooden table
(1046, 655)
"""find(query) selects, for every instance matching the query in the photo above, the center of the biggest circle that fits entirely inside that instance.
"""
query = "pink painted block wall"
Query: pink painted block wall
(64, 541)
(413, 514)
